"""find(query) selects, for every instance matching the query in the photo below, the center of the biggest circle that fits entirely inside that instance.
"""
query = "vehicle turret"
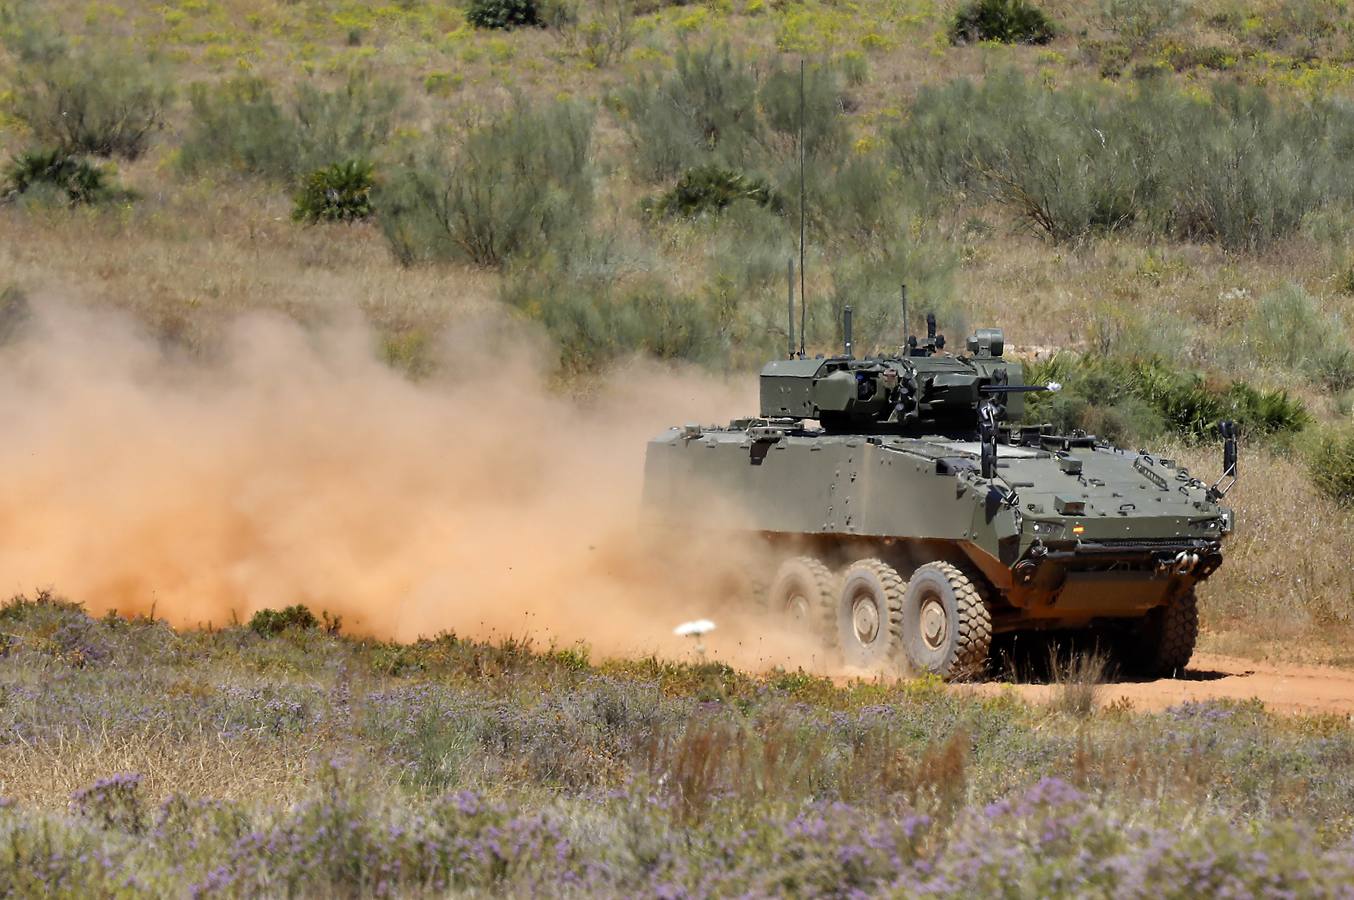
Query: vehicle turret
(921, 389)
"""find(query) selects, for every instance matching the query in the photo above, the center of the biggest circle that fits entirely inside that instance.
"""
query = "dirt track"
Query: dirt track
(1292, 689)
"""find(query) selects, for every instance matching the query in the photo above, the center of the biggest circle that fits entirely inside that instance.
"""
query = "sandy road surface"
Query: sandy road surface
(1282, 688)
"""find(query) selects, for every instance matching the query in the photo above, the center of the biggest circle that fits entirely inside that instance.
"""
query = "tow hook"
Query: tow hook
(1185, 562)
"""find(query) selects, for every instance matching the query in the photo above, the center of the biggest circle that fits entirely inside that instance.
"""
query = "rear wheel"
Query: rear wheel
(870, 614)
(1164, 641)
(802, 596)
(947, 625)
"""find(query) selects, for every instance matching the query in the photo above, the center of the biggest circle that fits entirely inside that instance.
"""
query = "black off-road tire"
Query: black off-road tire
(947, 623)
(803, 596)
(870, 615)
(1165, 639)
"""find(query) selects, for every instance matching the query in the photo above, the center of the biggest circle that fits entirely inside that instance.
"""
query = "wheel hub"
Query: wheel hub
(934, 623)
(865, 618)
(797, 608)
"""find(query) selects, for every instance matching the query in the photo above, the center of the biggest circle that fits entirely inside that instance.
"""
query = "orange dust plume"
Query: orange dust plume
(297, 468)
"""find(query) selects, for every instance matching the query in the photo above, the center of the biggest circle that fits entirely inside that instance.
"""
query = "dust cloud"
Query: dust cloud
(298, 468)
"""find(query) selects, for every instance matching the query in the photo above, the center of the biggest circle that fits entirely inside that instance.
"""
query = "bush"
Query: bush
(593, 320)
(503, 14)
(71, 180)
(1077, 160)
(268, 622)
(511, 186)
(1245, 172)
(103, 103)
(241, 125)
(606, 32)
(1288, 330)
(825, 130)
(1137, 22)
(1004, 21)
(1330, 461)
(711, 189)
(1132, 399)
(337, 193)
(702, 112)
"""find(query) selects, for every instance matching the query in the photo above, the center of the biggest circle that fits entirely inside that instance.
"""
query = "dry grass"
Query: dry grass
(1080, 681)
(186, 257)
(1286, 584)
(239, 770)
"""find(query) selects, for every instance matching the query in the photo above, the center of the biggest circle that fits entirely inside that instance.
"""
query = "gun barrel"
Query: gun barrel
(1052, 386)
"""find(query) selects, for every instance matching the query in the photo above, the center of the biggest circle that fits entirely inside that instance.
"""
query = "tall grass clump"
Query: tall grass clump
(1288, 330)
(1330, 463)
(1234, 168)
(1003, 21)
(242, 124)
(512, 186)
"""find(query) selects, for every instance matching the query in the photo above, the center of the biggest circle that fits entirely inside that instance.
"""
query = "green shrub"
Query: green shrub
(711, 189)
(1330, 461)
(503, 13)
(510, 187)
(268, 622)
(594, 320)
(102, 102)
(241, 125)
(337, 193)
(1004, 21)
(1244, 171)
(1237, 170)
(1138, 22)
(1060, 159)
(238, 124)
(870, 280)
(1135, 399)
(605, 33)
(69, 179)
(704, 111)
(855, 67)
(824, 123)
(1287, 329)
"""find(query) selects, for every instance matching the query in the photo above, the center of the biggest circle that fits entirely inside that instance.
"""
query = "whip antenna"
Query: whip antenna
(803, 297)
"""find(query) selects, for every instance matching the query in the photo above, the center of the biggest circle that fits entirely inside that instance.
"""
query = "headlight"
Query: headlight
(1228, 520)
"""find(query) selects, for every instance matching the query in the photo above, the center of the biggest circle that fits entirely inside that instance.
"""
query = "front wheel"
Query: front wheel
(947, 626)
(1164, 640)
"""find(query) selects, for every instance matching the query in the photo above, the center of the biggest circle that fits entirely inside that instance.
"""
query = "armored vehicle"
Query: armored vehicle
(912, 518)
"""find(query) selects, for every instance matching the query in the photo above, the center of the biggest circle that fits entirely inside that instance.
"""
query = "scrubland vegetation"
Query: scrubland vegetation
(284, 759)
(1152, 197)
